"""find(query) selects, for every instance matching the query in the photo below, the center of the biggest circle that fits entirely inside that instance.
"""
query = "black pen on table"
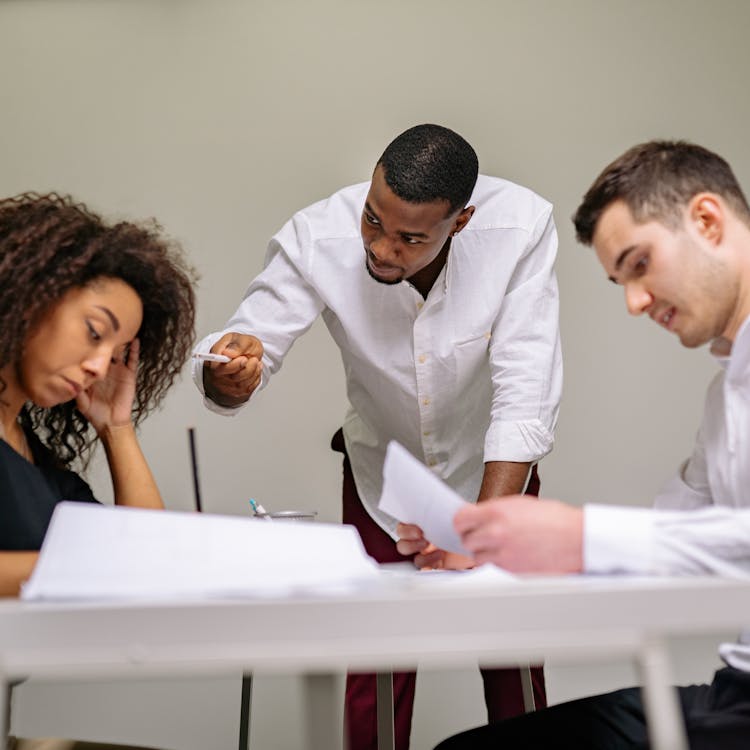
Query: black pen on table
(194, 463)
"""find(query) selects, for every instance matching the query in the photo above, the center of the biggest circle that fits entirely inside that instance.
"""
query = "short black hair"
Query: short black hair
(656, 180)
(428, 163)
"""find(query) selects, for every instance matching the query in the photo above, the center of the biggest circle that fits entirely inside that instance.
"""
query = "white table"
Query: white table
(396, 624)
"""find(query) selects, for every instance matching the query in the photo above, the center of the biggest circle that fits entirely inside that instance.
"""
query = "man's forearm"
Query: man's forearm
(503, 478)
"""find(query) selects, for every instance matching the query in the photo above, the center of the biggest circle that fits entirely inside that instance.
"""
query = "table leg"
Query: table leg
(384, 700)
(666, 727)
(245, 703)
(4, 711)
(527, 686)
(321, 712)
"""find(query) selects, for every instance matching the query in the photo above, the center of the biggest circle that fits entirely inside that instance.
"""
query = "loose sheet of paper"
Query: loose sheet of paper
(458, 580)
(413, 494)
(104, 552)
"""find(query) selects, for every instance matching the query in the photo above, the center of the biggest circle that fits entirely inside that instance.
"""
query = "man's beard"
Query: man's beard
(388, 282)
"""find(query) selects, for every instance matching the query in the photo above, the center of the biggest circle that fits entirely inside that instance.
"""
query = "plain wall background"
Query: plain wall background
(222, 118)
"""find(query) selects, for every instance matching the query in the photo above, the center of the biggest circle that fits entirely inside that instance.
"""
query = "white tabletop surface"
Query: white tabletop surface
(401, 621)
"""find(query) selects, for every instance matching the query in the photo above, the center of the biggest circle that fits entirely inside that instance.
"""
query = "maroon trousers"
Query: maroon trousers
(503, 694)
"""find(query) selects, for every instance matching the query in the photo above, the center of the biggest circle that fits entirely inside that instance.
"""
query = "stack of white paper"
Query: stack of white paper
(104, 552)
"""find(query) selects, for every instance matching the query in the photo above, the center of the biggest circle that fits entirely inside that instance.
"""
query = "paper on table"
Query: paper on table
(460, 580)
(413, 494)
(105, 552)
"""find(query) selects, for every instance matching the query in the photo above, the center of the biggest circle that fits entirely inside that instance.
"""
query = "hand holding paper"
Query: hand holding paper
(413, 494)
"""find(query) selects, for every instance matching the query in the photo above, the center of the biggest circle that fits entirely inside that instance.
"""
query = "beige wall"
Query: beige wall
(221, 118)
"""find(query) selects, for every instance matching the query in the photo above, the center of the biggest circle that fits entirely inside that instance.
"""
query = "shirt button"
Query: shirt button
(431, 461)
(420, 305)
(425, 402)
(427, 433)
(422, 359)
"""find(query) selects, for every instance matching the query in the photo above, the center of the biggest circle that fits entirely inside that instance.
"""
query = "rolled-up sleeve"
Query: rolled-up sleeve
(278, 306)
(525, 355)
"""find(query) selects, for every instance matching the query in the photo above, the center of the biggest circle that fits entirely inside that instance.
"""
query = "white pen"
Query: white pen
(259, 510)
(211, 357)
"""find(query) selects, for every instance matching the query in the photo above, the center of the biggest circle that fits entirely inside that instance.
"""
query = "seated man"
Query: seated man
(670, 223)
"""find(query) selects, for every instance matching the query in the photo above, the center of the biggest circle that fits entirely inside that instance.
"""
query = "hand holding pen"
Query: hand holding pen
(232, 369)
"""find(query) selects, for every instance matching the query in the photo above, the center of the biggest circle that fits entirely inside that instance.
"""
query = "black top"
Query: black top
(29, 493)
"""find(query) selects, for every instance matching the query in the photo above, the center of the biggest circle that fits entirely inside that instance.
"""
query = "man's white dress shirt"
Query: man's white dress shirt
(472, 373)
(700, 522)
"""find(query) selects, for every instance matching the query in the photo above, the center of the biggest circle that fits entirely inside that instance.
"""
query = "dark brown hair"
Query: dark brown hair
(49, 245)
(656, 180)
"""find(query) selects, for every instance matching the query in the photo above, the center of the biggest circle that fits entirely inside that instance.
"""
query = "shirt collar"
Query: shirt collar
(441, 282)
(449, 264)
(734, 356)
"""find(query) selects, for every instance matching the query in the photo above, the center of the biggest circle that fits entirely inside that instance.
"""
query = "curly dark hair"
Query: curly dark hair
(49, 245)
(428, 163)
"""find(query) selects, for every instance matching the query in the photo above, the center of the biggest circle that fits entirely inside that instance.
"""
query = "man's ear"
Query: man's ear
(462, 219)
(708, 214)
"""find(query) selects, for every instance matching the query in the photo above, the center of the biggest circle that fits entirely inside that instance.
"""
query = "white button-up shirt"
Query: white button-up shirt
(470, 374)
(701, 519)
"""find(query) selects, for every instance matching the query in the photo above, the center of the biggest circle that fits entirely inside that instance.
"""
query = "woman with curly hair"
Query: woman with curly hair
(96, 321)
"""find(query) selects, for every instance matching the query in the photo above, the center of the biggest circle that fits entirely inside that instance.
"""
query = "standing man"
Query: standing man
(438, 287)
(669, 222)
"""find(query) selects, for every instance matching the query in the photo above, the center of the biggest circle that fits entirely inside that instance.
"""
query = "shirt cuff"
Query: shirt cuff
(196, 369)
(517, 441)
(225, 411)
(618, 540)
(737, 655)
